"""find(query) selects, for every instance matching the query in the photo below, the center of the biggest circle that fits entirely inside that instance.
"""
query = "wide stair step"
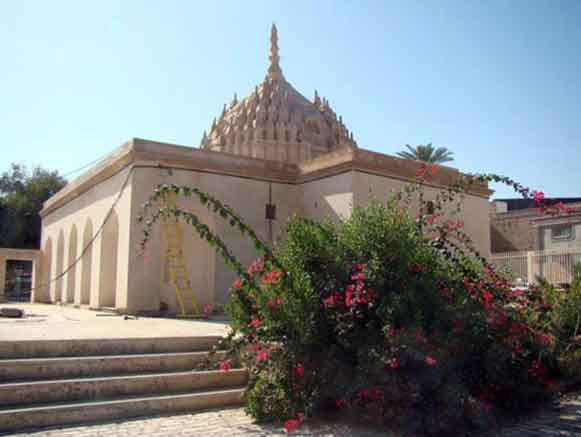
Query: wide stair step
(94, 347)
(25, 369)
(80, 412)
(56, 383)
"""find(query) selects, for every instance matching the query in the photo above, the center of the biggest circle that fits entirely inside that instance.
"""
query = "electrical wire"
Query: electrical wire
(87, 165)
(92, 240)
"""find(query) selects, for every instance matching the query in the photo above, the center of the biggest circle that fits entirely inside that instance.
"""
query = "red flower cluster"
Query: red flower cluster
(299, 369)
(538, 196)
(263, 355)
(430, 361)
(392, 363)
(257, 266)
(271, 277)
(225, 365)
(366, 395)
(424, 170)
(255, 322)
(332, 300)
(291, 425)
(275, 302)
(431, 219)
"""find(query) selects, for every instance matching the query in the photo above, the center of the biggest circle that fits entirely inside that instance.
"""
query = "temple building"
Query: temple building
(269, 156)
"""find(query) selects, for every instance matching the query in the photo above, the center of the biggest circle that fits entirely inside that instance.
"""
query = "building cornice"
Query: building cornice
(138, 152)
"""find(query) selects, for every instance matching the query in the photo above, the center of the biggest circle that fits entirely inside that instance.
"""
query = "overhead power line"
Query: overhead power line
(87, 165)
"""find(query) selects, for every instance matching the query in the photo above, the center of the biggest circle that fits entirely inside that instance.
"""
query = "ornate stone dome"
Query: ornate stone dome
(276, 122)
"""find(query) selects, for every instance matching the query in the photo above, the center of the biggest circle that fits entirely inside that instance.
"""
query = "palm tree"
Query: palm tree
(427, 153)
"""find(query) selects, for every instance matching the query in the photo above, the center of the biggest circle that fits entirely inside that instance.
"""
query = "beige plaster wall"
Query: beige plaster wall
(91, 206)
(367, 187)
(209, 276)
(513, 231)
(328, 197)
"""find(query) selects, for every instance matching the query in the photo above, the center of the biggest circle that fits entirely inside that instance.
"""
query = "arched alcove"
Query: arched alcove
(60, 249)
(87, 263)
(72, 257)
(108, 258)
(43, 293)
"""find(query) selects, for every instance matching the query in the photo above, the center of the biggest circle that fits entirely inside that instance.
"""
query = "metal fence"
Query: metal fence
(556, 266)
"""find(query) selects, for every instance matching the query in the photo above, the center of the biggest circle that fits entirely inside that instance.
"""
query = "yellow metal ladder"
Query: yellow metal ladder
(176, 264)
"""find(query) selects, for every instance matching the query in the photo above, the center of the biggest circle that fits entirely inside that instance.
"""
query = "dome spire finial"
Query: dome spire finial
(274, 71)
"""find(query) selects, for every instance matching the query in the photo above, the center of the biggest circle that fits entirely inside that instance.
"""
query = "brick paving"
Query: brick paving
(565, 421)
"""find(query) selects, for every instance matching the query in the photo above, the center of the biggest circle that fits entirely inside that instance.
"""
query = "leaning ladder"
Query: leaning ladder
(176, 264)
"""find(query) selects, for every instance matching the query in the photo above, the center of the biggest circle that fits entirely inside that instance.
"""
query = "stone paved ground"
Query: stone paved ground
(566, 421)
(56, 322)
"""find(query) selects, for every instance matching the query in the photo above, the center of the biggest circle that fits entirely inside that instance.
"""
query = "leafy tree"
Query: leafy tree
(22, 194)
(427, 153)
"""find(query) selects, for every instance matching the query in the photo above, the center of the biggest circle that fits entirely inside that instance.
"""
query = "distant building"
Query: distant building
(517, 225)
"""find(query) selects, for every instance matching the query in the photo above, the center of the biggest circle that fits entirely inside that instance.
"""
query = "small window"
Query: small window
(562, 232)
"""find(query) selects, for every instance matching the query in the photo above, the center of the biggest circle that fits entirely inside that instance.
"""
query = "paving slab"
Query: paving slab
(60, 322)
(233, 422)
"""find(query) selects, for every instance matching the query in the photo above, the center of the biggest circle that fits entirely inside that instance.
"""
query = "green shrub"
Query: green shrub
(383, 314)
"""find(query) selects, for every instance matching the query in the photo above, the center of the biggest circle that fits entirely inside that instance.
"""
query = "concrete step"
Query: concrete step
(84, 389)
(64, 414)
(27, 369)
(110, 346)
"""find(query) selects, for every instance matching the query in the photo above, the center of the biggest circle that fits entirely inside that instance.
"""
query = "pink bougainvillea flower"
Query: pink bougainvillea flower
(301, 417)
(299, 369)
(225, 365)
(257, 266)
(421, 170)
(393, 363)
(271, 277)
(255, 322)
(263, 355)
(431, 219)
(236, 284)
(430, 361)
(291, 425)
(538, 196)
(331, 301)
(487, 296)
(349, 297)
(274, 302)
(255, 347)
(544, 338)
(341, 403)
(358, 276)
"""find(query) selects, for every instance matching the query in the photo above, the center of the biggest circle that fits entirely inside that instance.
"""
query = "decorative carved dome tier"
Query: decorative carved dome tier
(276, 122)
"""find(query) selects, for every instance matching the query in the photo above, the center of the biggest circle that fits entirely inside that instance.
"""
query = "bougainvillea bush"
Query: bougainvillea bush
(388, 315)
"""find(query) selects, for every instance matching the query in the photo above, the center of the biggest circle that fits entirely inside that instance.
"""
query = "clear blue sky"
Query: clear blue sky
(497, 82)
